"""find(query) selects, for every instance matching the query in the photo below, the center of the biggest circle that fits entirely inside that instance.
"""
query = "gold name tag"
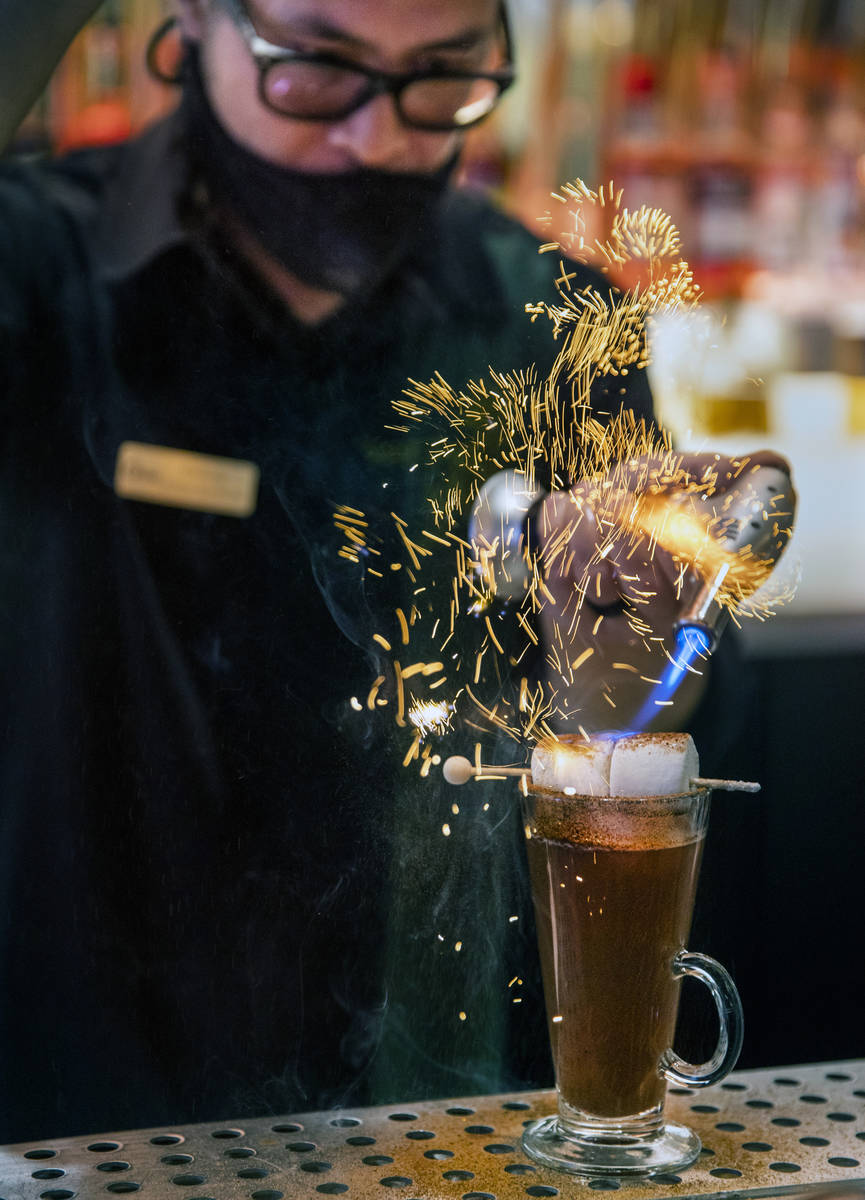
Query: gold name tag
(184, 479)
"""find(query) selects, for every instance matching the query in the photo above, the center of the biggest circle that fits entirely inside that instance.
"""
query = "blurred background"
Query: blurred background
(742, 119)
(745, 121)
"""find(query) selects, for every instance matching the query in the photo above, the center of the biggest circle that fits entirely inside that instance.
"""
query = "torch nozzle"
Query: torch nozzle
(756, 520)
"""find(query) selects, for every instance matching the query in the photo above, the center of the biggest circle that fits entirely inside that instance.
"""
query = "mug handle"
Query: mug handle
(730, 1020)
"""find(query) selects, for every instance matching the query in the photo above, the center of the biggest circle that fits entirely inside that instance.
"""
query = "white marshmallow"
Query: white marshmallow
(653, 764)
(574, 763)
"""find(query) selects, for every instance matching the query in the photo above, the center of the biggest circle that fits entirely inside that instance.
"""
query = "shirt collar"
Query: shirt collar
(140, 218)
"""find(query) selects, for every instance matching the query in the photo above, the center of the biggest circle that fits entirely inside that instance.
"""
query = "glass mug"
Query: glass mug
(613, 883)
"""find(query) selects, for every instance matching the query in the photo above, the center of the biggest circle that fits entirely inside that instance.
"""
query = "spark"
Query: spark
(403, 625)
(421, 668)
(400, 694)
(430, 716)
(635, 498)
(495, 640)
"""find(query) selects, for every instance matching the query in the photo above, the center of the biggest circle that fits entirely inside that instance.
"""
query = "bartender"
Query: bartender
(220, 892)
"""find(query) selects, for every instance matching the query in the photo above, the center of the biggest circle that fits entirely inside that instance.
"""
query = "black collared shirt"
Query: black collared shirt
(221, 894)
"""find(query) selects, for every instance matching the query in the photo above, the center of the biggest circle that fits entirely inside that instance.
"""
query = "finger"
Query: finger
(650, 585)
(602, 585)
(571, 545)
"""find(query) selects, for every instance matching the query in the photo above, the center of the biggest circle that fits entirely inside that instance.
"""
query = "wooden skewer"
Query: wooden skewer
(458, 770)
(727, 785)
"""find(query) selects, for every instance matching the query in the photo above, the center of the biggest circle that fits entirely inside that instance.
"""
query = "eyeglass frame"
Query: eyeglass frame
(267, 54)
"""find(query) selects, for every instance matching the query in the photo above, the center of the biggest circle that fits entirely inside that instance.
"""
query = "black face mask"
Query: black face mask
(342, 232)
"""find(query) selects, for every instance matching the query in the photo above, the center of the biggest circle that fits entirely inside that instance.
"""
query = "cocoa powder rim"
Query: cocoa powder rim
(614, 822)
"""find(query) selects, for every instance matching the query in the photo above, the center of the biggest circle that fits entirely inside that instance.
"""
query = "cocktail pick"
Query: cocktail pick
(726, 785)
(458, 770)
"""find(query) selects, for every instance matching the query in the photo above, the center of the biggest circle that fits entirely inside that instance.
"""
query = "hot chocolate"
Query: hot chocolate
(613, 883)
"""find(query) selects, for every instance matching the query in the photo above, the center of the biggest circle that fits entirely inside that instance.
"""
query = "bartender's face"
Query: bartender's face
(387, 35)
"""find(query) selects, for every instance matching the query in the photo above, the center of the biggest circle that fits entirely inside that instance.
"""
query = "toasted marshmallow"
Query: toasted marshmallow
(574, 763)
(653, 764)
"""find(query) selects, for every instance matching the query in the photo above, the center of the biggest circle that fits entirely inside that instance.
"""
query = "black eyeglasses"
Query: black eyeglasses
(325, 87)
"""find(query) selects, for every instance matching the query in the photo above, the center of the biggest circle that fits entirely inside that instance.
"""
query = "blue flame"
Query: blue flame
(692, 642)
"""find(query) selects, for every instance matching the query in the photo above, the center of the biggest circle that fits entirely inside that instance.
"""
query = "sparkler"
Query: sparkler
(461, 646)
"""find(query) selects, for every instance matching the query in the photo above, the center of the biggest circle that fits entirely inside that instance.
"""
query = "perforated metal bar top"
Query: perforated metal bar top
(770, 1132)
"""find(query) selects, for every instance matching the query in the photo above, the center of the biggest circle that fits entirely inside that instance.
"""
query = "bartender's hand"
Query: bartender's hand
(631, 601)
